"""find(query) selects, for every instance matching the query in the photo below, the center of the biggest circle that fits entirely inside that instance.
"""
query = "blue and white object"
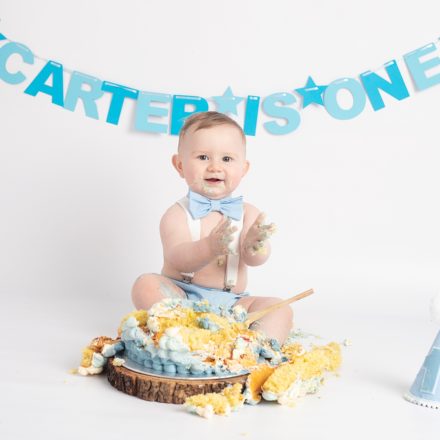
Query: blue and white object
(425, 390)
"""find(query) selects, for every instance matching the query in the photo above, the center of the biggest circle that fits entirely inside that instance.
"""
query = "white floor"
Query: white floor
(40, 399)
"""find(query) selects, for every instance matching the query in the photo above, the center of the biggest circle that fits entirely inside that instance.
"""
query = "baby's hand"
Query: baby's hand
(257, 236)
(221, 236)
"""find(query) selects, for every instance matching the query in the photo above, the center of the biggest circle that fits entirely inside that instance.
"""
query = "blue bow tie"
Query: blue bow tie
(200, 206)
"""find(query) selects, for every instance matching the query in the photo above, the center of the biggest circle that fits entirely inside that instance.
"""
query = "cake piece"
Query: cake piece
(94, 356)
(206, 405)
(254, 382)
(302, 374)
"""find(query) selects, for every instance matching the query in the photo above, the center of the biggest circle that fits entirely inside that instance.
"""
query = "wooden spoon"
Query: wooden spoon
(254, 316)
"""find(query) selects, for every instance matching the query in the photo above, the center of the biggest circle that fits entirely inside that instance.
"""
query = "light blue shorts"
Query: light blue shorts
(216, 297)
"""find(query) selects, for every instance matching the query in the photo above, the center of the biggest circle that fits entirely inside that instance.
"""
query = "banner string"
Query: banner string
(70, 71)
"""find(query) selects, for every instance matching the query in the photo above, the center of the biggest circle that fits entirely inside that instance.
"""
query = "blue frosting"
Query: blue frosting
(170, 368)
(240, 314)
(207, 324)
(111, 350)
(202, 306)
(275, 345)
(266, 353)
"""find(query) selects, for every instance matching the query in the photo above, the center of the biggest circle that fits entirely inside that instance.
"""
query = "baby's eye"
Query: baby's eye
(227, 159)
(202, 157)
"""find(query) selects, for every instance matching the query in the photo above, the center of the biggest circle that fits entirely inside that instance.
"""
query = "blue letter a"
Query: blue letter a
(39, 83)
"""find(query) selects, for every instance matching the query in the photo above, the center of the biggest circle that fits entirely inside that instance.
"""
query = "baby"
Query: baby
(208, 237)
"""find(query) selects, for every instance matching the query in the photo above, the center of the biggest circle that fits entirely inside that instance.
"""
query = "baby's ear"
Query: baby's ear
(246, 168)
(177, 163)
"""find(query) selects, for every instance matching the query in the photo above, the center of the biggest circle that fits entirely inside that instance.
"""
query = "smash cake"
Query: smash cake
(183, 338)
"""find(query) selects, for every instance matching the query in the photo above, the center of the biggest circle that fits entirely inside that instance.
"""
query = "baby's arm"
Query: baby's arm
(186, 255)
(255, 248)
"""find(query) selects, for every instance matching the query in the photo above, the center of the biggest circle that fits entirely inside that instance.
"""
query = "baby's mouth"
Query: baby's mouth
(213, 180)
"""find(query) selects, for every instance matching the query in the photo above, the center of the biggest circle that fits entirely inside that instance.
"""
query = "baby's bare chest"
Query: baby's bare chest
(208, 223)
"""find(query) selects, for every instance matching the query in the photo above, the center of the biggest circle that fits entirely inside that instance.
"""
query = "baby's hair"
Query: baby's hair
(206, 120)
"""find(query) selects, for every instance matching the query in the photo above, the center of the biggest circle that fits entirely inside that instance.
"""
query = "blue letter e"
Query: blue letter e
(179, 114)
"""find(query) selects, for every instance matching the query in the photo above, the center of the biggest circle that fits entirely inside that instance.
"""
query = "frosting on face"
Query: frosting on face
(211, 189)
(212, 160)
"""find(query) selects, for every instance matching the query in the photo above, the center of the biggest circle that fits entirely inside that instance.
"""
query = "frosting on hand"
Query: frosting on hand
(257, 236)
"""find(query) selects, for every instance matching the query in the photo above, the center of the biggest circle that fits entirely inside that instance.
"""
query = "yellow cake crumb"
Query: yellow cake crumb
(222, 403)
(118, 362)
(293, 350)
(140, 315)
(234, 396)
(218, 402)
(95, 346)
(87, 355)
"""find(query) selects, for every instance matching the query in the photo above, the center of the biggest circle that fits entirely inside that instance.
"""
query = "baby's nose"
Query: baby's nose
(215, 165)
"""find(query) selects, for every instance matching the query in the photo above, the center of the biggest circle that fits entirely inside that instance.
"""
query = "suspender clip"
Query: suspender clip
(187, 278)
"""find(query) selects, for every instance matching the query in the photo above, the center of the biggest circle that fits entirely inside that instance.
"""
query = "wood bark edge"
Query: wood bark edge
(162, 389)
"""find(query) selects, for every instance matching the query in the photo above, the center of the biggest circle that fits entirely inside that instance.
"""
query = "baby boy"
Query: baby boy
(208, 237)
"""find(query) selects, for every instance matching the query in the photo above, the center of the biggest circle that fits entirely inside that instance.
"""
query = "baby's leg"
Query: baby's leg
(276, 324)
(151, 288)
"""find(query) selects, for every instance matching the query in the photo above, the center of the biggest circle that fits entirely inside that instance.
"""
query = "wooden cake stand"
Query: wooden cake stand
(165, 389)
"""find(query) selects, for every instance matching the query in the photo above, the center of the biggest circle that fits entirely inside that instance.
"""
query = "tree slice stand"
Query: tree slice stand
(163, 389)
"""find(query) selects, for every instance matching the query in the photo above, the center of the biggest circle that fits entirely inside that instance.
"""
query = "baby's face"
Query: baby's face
(212, 160)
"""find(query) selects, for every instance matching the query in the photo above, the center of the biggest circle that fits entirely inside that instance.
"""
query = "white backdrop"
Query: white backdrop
(356, 202)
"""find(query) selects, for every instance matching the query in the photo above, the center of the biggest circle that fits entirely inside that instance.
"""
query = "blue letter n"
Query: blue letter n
(396, 87)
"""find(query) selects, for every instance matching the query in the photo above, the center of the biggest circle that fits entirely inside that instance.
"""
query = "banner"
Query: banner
(286, 109)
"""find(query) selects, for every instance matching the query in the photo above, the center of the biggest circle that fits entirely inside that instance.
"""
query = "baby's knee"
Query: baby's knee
(145, 280)
(285, 312)
(151, 288)
(144, 286)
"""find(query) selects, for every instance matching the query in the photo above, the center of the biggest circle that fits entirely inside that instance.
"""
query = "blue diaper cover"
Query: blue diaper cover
(216, 297)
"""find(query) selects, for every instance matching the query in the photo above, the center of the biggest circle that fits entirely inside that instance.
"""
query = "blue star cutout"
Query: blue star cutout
(227, 103)
(311, 93)
(2, 37)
